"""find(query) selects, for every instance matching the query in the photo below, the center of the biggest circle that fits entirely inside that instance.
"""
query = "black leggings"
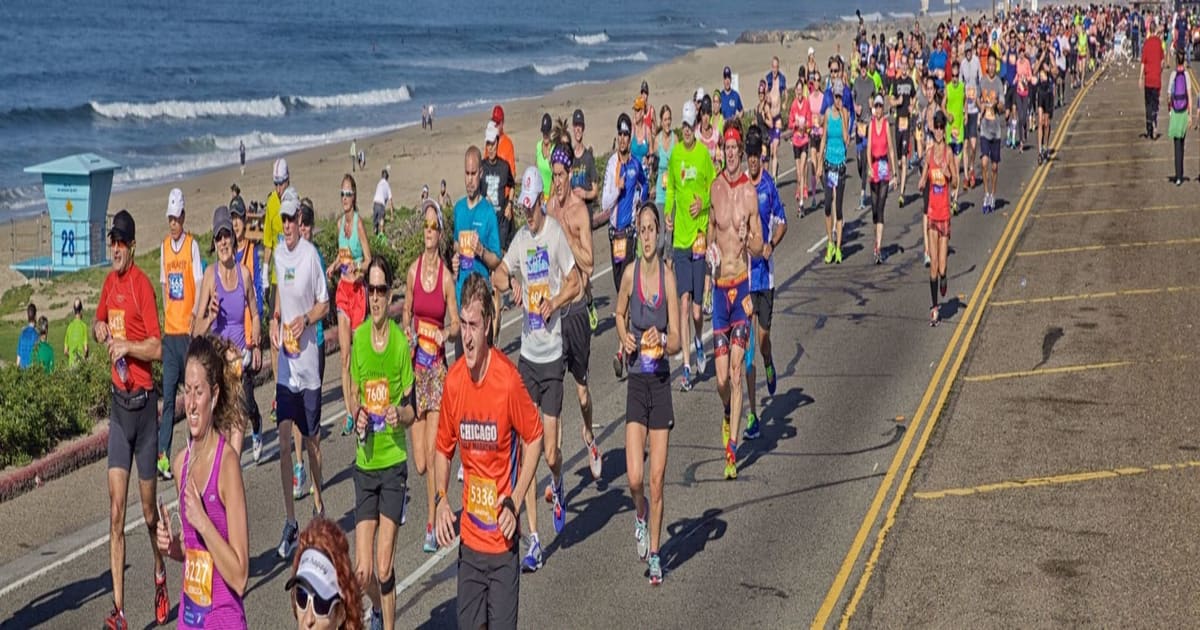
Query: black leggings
(1178, 158)
(879, 193)
(829, 190)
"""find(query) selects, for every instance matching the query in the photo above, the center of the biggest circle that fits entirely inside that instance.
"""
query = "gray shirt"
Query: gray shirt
(540, 262)
(863, 88)
(992, 91)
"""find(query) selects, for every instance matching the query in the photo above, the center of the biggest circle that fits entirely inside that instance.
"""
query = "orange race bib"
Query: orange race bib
(346, 258)
(291, 345)
(938, 178)
(481, 502)
(651, 351)
(699, 246)
(468, 246)
(427, 346)
(376, 398)
(197, 587)
(619, 247)
(116, 323)
(902, 123)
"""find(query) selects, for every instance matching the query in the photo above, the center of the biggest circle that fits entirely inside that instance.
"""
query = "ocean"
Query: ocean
(171, 88)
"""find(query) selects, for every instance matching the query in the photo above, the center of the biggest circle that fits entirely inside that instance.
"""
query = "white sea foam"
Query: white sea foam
(358, 99)
(263, 108)
(560, 66)
(637, 56)
(590, 40)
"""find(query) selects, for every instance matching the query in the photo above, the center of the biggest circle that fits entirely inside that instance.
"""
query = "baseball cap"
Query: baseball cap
(727, 72)
(221, 221)
(645, 88)
(699, 94)
(547, 123)
(577, 118)
(280, 174)
(175, 203)
(493, 132)
(531, 187)
(289, 203)
(811, 51)
(624, 125)
(497, 114)
(123, 228)
(316, 572)
(437, 209)
(688, 115)
(237, 207)
(879, 99)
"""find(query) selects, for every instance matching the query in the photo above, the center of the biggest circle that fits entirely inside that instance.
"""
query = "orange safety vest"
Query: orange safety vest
(179, 296)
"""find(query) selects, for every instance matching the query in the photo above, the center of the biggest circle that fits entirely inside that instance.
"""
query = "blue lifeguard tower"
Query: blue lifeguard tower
(77, 188)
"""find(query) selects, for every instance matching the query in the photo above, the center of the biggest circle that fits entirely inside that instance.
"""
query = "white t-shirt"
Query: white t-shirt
(540, 262)
(383, 192)
(301, 286)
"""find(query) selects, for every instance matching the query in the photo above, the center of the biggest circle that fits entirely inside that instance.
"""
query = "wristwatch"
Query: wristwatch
(507, 502)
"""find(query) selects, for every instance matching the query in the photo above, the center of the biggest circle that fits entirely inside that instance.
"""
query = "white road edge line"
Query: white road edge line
(818, 244)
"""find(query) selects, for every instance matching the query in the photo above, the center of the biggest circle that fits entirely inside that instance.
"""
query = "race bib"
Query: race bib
(175, 286)
(116, 323)
(537, 273)
(832, 177)
(699, 246)
(346, 258)
(747, 305)
(468, 245)
(197, 587)
(882, 173)
(619, 246)
(376, 398)
(937, 177)
(427, 347)
(291, 345)
(902, 123)
(651, 351)
(970, 94)
(481, 502)
(862, 129)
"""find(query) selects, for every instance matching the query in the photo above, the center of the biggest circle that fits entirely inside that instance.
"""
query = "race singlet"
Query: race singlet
(537, 274)
(376, 397)
(427, 348)
(481, 502)
(197, 587)
(651, 351)
(700, 246)
(468, 245)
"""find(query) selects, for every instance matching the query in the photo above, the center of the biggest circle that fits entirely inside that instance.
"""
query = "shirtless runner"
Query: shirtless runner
(734, 234)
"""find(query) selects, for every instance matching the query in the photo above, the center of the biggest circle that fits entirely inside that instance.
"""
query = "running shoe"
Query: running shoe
(164, 467)
(829, 252)
(942, 285)
(116, 619)
(685, 381)
(933, 316)
(656, 572)
(837, 255)
(273, 418)
(430, 545)
(560, 505)
(862, 201)
(162, 603)
(641, 537)
(927, 259)
(256, 447)
(701, 360)
(593, 318)
(731, 460)
(594, 461)
(348, 427)
(878, 258)
(318, 512)
(376, 619)
(751, 432)
(771, 382)
(619, 364)
(533, 558)
(287, 542)
(900, 201)
(299, 481)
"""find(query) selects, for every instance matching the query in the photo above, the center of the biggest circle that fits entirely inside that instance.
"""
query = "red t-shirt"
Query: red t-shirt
(489, 420)
(1152, 60)
(129, 307)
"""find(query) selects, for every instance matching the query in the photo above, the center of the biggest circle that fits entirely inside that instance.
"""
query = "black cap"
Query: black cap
(307, 214)
(645, 88)
(547, 123)
(237, 207)
(577, 118)
(706, 104)
(754, 141)
(624, 124)
(123, 229)
(727, 73)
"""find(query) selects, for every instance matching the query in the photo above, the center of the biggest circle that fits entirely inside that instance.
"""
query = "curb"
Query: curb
(65, 458)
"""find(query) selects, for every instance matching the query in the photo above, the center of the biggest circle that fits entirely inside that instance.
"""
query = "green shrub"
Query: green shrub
(39, 410)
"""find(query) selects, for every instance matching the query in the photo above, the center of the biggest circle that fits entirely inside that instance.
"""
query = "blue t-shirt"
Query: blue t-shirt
(771, 213)
(628, 198)
(731, 102)
(782, 83)
(937, 60)
(482, 220)
(25, 344)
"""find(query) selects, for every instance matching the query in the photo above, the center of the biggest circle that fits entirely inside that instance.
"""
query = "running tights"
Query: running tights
(1151, 110)
(933, 292)
(1178, 159)
(879, 192)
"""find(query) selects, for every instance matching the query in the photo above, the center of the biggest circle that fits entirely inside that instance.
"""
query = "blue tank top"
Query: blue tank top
(835, 145)
(639, 149)
(231, 316)
(351, 242)
(644, 315)
(664, 156)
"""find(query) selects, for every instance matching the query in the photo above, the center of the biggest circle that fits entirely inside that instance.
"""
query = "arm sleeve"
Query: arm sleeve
(609, 193)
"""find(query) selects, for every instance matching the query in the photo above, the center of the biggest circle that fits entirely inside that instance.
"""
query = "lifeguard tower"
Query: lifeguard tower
(77, 188)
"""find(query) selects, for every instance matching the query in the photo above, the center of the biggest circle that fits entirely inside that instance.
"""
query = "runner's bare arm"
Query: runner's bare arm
(754, 236)
(584, 258)
(674, 338)
(567, 293)
(201, 316)
(406, 312)
(232, 556)
(366, 247)
(627, 342)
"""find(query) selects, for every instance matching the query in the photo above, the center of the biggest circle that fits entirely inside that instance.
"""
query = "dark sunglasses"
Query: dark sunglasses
(222, 235)
(624, 134)
(321, 607)
(289, 218)
(113, 242)
(378, 289)
(347, 193)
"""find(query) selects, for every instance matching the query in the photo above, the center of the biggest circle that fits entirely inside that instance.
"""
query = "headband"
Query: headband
(561, 155)
(732, 133)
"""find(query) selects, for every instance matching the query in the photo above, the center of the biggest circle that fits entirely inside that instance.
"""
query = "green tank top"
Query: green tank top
(543, 164)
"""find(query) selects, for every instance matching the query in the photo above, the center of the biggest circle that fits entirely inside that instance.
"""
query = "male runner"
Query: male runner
(690, 176)
(301, 301)
(955, 109)
(625, 187)
(970, 72)
(476, 230)
(180, 272)
(485, 411)
(127, 324)
(903, 91)
(539, 267)
(991, 128)
(572, 215)
(733, 233)
(496, 177)
(773, 220)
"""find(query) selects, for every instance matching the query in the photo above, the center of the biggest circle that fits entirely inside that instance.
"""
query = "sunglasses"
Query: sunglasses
(321, 607)
(378, 289)
(116, 242)
(431, 225)
(623, 134)
(222, 235)
(289, 218)
(347, 193)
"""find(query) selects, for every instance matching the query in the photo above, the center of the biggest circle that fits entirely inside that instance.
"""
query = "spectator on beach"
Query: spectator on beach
(353, 154)
(242, 155)
(382, 201)
(75, 343)
(43, 354)
(28, 338)
(444, 197)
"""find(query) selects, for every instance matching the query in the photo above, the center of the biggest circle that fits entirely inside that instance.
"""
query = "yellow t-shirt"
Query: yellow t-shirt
(272, 229)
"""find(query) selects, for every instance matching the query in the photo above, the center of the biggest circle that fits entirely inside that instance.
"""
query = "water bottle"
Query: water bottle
(123, 370)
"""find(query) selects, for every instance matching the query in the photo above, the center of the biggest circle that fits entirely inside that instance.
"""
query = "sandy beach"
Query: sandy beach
(417, 157)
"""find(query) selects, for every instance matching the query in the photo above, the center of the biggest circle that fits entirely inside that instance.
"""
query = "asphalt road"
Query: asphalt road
(854, 354)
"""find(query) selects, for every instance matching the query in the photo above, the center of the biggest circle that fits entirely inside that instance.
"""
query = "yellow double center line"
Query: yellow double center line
(926, 411)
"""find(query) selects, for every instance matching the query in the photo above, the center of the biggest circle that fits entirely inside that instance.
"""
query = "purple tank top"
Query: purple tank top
(231, 316)
(207, 601)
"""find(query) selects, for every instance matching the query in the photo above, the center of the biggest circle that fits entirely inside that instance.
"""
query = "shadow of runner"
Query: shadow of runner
(410, 598)
(266, 566)
(774, 426)
(444, 615)
(73, 596)
(588, 517)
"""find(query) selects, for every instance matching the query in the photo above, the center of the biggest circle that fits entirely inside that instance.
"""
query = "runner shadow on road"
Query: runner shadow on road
(441, 616)
(266, 566)
(73, 596)
(444, 615)
(776, 425)
(589, 516)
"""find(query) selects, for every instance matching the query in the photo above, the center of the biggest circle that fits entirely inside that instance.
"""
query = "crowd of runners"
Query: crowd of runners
(694, 217)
